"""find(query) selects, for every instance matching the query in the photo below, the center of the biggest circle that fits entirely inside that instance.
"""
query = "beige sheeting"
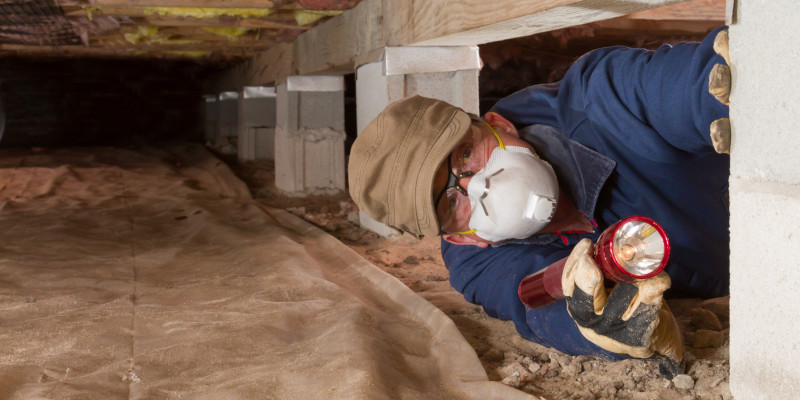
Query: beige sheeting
(153, 274)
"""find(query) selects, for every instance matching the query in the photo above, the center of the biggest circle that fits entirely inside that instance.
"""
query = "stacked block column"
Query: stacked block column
(309, 136)
(765, 201)
(256, 122)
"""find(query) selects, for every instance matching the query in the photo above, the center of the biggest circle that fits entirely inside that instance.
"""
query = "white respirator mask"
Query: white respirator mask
(513, 196)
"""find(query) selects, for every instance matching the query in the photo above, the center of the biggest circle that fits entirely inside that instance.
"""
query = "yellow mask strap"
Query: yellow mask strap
(502, 146)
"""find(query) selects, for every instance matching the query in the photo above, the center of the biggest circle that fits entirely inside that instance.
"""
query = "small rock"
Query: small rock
(683, 381)
(513, 368)
(353, 218)
(574, 367)
(559, 360)
(588, 366)
(131, 377)
(667, 383)
(703, 339)
(534, 367)
(526, 361)
(512, 380)
(705, 319)
(720, 306)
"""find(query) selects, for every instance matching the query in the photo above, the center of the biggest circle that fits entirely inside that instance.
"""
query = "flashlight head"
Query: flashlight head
(633, 248)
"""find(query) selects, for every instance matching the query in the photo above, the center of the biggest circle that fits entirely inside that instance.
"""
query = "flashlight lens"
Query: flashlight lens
(638, 247)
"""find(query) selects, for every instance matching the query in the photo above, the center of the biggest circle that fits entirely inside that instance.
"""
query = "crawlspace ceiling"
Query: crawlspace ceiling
(209, 29)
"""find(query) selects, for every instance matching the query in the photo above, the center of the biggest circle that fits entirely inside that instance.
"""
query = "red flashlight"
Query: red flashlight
(633, 248)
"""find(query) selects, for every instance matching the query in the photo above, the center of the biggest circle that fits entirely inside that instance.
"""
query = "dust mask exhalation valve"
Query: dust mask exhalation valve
(633, 248)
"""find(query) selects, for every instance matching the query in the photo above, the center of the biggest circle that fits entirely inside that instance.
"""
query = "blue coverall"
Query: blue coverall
(627, 131)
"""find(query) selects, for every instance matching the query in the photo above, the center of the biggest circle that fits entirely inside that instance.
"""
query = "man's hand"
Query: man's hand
(719, 85)
(631, 319)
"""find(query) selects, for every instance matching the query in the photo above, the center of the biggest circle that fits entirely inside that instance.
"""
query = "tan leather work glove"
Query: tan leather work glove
(719, 85)
(631, 319)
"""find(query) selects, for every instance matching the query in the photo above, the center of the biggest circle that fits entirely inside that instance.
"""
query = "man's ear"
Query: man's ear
(499, 123)
(456, 238)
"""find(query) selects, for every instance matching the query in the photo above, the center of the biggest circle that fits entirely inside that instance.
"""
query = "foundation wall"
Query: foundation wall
(765, 201)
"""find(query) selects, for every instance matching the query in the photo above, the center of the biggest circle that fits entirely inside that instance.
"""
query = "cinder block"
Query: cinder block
(228, 114)
(765, 199)
(309, 136)
(309, 161)
(765, 270)
(459, 88)
(210, 116)
(764, 98)
(257, 111)
(264, 143)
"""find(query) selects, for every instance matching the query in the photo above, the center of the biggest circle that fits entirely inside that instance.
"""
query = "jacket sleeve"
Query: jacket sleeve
(653, 101)
(490, 277)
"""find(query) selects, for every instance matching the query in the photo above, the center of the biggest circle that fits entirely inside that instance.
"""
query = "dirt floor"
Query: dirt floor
(505, 355)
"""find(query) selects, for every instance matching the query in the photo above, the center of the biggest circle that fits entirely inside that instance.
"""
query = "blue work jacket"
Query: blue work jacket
(627, 131)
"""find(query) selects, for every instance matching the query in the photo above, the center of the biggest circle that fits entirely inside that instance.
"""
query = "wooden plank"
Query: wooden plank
(280, 20)
(336, 43)
(222, 22)
(268, 67)
(178, 3)
(360, 33)
(692, 10)
(466, 29)
(126, 51)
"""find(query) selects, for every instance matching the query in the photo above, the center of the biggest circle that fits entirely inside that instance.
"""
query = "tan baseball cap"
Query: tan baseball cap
(393, 161)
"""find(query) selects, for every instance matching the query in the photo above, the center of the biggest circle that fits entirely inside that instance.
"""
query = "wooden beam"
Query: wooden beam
(461, 23)
(279, 20)
(693, 10)
(268, 67)
(334, 45)
(179, 3)
(176, 51)
(221, 22)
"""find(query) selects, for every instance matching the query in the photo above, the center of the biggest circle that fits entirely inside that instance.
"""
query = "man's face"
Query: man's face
(467, 158)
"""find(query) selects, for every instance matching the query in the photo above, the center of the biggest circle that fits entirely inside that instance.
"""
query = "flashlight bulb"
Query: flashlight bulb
(626, 252)
(638, 247)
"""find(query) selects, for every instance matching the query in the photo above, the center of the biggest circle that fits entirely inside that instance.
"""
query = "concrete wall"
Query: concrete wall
(765, 200)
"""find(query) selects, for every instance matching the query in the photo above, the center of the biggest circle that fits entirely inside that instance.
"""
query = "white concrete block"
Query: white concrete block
(228, 96)
(422, 60)
(210, 116)
(255, 92)
(765, 199)
(765, 99)
(315, 83)
(459, 88)
(228, 114)
(309, 161)
(264, 143)
(765, 271)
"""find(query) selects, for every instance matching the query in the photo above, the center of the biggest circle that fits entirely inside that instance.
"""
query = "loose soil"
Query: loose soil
(506, 356)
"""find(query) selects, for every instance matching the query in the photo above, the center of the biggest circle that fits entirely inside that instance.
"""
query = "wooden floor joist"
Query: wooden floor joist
(339, 44)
